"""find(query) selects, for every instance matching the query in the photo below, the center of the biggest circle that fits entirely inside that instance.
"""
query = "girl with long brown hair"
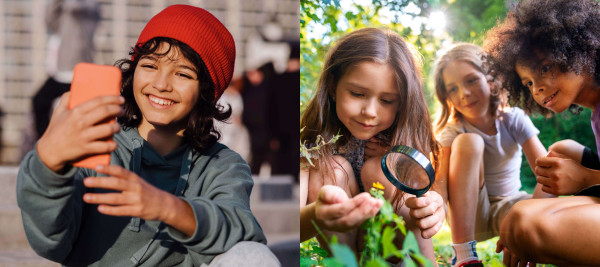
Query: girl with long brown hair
(369, 92)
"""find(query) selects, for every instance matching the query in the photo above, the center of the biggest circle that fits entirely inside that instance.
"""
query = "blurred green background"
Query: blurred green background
(429, 26)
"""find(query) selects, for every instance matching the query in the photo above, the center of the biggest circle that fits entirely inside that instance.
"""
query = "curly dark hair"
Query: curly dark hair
(200, 132)
(566, 33)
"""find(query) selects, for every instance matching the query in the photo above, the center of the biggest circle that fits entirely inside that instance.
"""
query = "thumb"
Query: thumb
(63, 104)
(555, 154)
(499, 246)
(332, 194)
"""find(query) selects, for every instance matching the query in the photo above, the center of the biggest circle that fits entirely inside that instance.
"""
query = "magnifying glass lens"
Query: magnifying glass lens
(407, 171)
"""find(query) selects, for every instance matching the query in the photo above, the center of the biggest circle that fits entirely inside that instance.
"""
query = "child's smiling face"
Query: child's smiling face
(550, 87)
(165, 89)
(468, 89)
(367, 99)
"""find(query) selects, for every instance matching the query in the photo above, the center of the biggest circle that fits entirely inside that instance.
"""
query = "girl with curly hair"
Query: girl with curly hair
(546, 52)
(370, 86)
(481, 141)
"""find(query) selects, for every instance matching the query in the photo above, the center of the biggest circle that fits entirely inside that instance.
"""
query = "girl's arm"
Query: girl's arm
(533, 150)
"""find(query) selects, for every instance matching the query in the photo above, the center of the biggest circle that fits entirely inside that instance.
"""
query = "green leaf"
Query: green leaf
(320, 251)
(344, 254)
(410, 243)
(408, 262)
(387, 242)
(307, 262)
(333, 262)
(376, 262)
(421, 259)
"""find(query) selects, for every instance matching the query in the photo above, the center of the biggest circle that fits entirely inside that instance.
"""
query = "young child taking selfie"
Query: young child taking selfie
(171, 195)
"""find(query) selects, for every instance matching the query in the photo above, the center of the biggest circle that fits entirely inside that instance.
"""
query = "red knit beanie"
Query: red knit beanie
(202, 32)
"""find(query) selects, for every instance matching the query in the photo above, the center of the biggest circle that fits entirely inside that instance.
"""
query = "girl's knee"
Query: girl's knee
(468, 143)
(524, 229)
(567, 147)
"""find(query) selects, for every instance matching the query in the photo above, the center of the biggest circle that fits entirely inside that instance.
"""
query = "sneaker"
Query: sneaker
(474, 263)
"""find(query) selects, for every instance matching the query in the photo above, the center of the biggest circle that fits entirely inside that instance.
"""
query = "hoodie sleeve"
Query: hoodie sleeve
(220, 201)
(51, 207)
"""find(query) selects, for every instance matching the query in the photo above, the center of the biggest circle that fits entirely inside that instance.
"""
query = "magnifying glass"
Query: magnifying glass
(408, 170)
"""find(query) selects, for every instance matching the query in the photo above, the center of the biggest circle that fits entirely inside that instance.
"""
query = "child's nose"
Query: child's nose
(537, 88)
(464, 92)
(161, 82)
(370, 108)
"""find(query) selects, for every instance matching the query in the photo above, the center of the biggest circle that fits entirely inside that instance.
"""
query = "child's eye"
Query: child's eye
(387, 101)
(452, 89)
(149, 66)
(529, 84)
(472, 80)
(357, 94)
(545, 69)
(185, 76)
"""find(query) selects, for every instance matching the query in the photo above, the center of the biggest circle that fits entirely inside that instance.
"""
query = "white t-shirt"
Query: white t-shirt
(502, 153)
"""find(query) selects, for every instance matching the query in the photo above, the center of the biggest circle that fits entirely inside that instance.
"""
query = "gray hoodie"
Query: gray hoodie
(61, 227)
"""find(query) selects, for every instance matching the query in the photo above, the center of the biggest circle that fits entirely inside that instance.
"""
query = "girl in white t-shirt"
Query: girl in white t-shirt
(481, 141)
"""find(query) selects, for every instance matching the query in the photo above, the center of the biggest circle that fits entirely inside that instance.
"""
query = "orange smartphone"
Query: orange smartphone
(91, 81)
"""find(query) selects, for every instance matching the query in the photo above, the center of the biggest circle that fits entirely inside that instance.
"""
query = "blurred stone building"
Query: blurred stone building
(24, 38)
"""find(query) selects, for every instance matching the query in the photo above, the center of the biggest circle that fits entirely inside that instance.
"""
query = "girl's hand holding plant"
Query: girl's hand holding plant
(334, 210)
(75, 133)
(560, 175)
(137, 198)
(428, 211)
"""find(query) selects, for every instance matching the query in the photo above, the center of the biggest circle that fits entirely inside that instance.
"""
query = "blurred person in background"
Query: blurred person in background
(71, 25)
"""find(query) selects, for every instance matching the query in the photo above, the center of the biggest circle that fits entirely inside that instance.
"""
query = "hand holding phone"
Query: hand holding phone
(81, 128)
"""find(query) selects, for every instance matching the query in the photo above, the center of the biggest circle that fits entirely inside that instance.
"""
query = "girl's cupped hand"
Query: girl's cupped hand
(335, 211)
(75, 133)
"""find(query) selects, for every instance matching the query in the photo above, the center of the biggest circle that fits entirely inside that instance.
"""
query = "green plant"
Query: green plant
(380, 233)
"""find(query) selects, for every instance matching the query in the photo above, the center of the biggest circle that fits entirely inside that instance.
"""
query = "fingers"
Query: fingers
(116, 171)
(332, 194)
(111, 183)
(341, 209)
(546, 162)
(499, 246)
(97, 102)
(106, 198)
(555, 154)
(117, 210)
(506, 259)
(514, 261)
(63, 104)
(101, 131)
(430, 232)
(348, 214)
(100, 147)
